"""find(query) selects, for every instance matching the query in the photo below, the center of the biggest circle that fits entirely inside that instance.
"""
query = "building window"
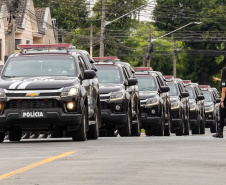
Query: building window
(28, 42)
(17, 42)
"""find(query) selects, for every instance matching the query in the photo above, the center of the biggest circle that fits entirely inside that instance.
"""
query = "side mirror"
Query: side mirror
(200, 97)
(132, 81)
(89, 74)
(218, 100)
(184, 94)
(164, 89)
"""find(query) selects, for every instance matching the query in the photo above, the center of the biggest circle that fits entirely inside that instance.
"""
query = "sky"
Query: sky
(145, 14)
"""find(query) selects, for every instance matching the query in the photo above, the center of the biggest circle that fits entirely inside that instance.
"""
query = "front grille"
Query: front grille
(24, 94)
(32, 104)
(193, 115)
(175, 114)
(104, 105)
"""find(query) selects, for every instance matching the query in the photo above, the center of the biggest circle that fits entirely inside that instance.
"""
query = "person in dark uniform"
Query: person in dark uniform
(219, 134)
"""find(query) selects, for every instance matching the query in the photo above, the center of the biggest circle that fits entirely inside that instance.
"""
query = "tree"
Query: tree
(70, 14)
(204, 50)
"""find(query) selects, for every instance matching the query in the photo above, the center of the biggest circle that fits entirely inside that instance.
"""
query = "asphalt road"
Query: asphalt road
(114, 161)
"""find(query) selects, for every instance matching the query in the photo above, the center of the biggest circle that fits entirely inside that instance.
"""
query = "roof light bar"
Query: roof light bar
(204, 86)
(187, 81)
(142, 69)
(168, 77)
(104, 58)
(33, 46)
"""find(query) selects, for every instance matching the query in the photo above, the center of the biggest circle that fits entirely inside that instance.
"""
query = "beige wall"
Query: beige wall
(49, 35)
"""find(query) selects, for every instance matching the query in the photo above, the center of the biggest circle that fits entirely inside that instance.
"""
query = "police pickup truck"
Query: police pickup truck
(47, 88)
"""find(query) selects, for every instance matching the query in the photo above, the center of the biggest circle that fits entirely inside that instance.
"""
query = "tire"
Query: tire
(167, 130)
(126, 130)
(81, 134)
(2, 137)
(148, 132)
(167, 127)
(180, 131)
(202, 127)
(93, 132)
(15, 134)
(186, 127)
(136, 127)
(160, 131)
(196, 130)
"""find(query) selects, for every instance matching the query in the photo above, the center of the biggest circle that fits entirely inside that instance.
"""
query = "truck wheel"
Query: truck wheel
(136, 127)
(180, 131)
(167, 130)
(15, 134)
(196, 130)
(80, 134)
(213, 129)
(186, 127)
(2, 136)
(126, 130)
(93, 132)
(160, 130)
(202, 127)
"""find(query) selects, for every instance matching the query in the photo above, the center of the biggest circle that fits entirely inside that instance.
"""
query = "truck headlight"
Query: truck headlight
(175, 105)
(2, 93)
(69, 91)
(117, 95)
(192, 107)
(152, 102)
(209, 109)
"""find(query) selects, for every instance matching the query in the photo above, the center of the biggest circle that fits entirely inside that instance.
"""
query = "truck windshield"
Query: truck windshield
(146, 83)
(191, 93)
(108, 74)
(173, 89)
(40, 65)
(208, 96)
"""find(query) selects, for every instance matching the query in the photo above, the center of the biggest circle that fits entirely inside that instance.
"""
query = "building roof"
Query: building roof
(40, 14)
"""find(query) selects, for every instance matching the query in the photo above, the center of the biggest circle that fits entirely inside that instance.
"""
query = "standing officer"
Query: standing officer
(219, 134)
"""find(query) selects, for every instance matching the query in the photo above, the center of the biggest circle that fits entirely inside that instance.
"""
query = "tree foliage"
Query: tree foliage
(203, 53)
(69, 14)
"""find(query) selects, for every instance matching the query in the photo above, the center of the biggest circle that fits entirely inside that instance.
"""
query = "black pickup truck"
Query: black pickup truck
(48, 87)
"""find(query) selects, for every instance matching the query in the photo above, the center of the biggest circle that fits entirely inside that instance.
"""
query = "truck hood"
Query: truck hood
(37, 83)
(207, 104)
(108, 88)
(147, 94)
(174, 98)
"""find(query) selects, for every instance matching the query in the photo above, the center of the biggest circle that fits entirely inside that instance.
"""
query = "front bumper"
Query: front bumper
(112, 118)
(148, 121)
(52, 117)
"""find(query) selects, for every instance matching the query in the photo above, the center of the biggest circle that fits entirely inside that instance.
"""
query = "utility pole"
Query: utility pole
(13, 8)
(149, 49)
(91, 40)
(102, 35)
(144, 57)
(175, 60)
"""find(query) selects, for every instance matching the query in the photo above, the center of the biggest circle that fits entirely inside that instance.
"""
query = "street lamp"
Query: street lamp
(176, 30)
(175, 60)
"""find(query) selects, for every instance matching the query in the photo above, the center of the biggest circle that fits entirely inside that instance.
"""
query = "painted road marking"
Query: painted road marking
(26, 168)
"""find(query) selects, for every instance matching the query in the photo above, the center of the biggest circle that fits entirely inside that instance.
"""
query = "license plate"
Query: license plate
(33, 114)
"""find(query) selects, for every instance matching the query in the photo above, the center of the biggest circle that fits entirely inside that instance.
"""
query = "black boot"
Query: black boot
(219, 134)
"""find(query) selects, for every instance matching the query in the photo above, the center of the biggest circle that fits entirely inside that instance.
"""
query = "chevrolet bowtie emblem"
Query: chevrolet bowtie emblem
(32, 94)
